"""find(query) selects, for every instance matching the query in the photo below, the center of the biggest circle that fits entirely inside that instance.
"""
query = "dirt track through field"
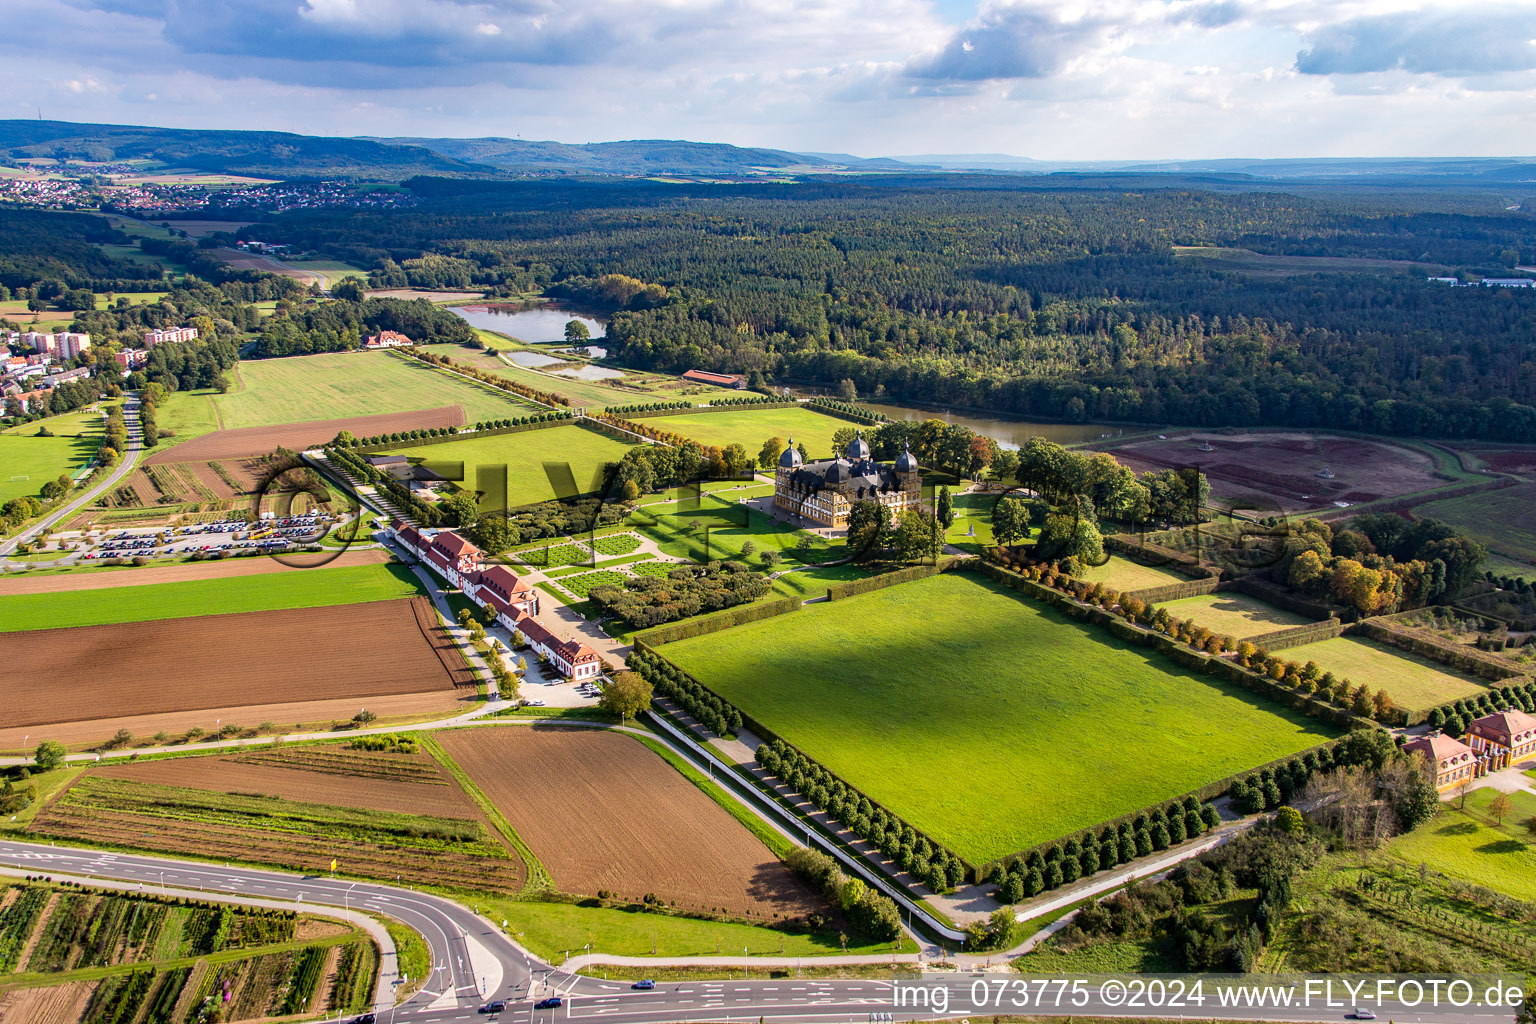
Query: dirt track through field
(212, 570)
(249, 442)
(93, 672)
(602, 811)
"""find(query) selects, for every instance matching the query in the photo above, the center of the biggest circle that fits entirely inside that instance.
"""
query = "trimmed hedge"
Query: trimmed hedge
(701, 624)
(838, 591)
(1175, 591)
(536, 421)
(1280, 597)
(1147, 553)
(913, 852)
(686, 408)
(1295, 636)
(846, 411)
(1427, 645)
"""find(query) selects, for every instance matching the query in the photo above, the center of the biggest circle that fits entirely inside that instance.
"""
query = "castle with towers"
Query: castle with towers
(824, 491)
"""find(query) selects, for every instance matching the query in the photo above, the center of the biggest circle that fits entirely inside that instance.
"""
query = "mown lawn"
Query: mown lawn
(299, 389)
(1124, 574)
(1233, 614)
(717, 527)
(1412, 682)
(28, 461)
(540, 464)
(1467, 846)
(552, 929)
(751, 427)
(986, 720)
(298, 588)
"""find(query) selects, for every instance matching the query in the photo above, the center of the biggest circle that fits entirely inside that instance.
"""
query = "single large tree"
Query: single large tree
(769, 456)
(576, 333)
(946, 509)
(49, 755)
(626, 695)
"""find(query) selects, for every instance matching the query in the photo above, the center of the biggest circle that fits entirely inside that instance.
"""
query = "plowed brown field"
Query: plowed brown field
(604, 812)
(92, 672)
(248, 442)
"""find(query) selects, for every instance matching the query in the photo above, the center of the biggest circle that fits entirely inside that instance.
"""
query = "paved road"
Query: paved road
(124, 466)
(473, 961)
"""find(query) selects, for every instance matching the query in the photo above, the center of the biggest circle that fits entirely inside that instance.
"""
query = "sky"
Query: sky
(1071, 80)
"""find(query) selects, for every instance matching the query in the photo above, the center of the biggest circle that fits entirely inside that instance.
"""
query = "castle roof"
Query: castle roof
(791, 457)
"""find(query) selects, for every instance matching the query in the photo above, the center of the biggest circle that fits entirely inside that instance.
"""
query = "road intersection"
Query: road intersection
(474, 961)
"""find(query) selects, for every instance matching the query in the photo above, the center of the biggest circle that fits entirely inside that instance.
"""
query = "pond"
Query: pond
(535, 325)
(533, 360)
(1007, 433)
(588, 372)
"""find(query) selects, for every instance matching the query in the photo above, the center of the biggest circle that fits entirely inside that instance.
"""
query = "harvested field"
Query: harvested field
(356, 651)
(249, 442)
(641, 826)
(51, 1004)
(320, 773)
(103, 579)
(449, 848)
(295, 716)
(1283, 467)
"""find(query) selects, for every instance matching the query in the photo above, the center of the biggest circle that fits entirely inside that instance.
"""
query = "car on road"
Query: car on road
(551, 1003)
(1361, 1013)
(366, 1018)
(495, 1006)
(644, 986)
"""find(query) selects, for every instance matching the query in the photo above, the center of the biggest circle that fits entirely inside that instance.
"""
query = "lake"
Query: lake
(1007, 433)
(533, 360)
(535, 325)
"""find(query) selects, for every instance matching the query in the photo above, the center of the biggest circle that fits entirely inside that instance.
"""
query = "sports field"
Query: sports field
(296, 588)
(1233, 614)
(751, 427)
(1412, 682)
(333, 386)
(28, 461)
(1124, 574)
(540, 464)
(989, 722)
(1503, 520)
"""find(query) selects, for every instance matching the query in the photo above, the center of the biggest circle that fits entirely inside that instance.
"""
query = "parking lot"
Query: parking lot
(276, 533)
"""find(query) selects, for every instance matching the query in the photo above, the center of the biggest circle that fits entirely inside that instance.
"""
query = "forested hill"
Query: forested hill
(645, 156)
(261, 154)
(1062, 304)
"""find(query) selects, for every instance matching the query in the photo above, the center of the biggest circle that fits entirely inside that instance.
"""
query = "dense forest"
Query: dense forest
(980, 292)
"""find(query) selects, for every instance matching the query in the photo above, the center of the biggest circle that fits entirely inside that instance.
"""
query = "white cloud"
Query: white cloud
(1069, 79)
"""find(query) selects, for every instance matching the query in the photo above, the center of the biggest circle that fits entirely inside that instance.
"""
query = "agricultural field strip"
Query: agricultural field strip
(347, 651)
(695, 853)
(355, 584)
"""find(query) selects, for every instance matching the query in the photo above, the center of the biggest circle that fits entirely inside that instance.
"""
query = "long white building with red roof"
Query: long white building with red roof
(513, 600)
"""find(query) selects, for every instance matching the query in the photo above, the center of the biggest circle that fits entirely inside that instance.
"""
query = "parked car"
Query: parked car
(644, 986)
(551, 1003)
